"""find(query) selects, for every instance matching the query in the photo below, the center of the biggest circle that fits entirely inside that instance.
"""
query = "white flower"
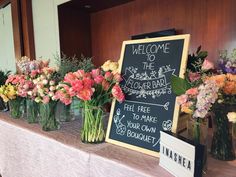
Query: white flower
(30, 93)
(52, 83)
(52, 88)
(45, 82)
(232, 117)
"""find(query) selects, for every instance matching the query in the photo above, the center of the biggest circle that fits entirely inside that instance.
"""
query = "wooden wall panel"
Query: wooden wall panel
(211, 24)
(27, 28)
(17, 30)
(74, 29)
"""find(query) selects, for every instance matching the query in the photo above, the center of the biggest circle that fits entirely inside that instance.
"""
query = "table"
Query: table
(27, 151)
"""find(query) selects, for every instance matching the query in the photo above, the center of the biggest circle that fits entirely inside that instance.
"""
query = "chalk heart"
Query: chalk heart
(166, 125)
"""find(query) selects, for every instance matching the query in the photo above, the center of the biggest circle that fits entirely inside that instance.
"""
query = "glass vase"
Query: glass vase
(16, 109)
(222, 144)
(64, 112)
(76, 108)
(48, 120)
(234, 130)
(32, 112)
(197, 131)
(92, 126)
(2, 105)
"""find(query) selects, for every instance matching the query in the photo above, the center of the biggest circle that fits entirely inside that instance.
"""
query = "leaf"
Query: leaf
(179, 85)
(198, 49)
(202, 54)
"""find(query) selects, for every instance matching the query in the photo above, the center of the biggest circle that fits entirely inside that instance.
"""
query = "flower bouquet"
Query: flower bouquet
(64, 104)
(44, 94)
(16, 103)
(94, 89)
(216, 97)
(3, 78)
(222, 145)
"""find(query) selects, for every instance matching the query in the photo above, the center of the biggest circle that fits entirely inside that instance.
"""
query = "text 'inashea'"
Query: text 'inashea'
(177, 158)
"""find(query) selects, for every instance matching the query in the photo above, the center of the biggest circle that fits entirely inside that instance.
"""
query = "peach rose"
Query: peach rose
(117, 93)
(229, 87)
(219, 79)
(192, 91)
(231, 77)
(207, 65)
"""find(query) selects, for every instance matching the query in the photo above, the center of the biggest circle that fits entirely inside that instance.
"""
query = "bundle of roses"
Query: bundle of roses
(44, 85)
(96, 87)
(110, 65)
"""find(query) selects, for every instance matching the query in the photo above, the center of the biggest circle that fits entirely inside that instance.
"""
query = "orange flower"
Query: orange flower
(219, 79)
(231, 77)
(229, 87)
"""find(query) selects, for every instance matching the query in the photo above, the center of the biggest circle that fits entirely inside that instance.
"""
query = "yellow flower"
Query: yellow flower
(185, 109)
(232, 117)
(105, 66)
(110, 66)
(8, 92)
(113, 66)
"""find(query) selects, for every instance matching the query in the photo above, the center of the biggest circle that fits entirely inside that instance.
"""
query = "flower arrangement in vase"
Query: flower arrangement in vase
(94, 89)
(44, 94)
(16, 103)
(217, 98)
(3, 77)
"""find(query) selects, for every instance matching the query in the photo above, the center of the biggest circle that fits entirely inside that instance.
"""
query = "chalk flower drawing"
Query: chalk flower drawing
(120, 127)
(143, 84)
(166, 125)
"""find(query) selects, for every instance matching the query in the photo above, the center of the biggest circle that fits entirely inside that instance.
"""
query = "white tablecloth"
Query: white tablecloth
(27, 151)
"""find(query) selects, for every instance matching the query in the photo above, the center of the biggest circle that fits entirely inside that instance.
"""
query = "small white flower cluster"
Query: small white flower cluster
(208, 94)
(232, 117)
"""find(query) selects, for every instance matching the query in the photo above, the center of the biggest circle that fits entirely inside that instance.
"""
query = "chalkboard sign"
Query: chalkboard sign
(146, 66)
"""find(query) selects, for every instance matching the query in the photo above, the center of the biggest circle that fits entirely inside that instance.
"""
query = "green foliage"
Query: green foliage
(196, 59)
(179, 85)
(71, 64)
(3, 76)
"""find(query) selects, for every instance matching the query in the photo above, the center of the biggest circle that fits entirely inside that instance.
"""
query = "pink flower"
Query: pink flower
(105, 85)
(108, 76)
(77, 85)
(85, 94)
(79, 73)
(194, 76)
(117, 93)
(95, 72)
(207, 65)
(117, 77)
(182, 99)
(98, 79)
(66, 101)
(192, 91)
(46, 99)
(88, 83)
(70, 77)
